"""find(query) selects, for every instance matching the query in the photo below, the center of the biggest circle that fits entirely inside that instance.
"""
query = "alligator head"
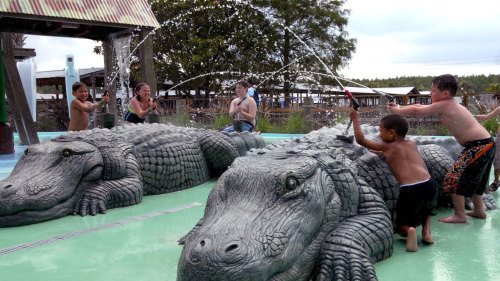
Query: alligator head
(47, 180)
(51, 179)
(265, 219)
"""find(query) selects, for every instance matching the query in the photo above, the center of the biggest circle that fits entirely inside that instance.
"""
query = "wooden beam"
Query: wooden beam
(22, 53)
(147, 61)
(16, 96)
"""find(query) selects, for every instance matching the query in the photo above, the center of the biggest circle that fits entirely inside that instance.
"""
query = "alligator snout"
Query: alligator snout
(218, 250)
(5, 186)
(6, 189)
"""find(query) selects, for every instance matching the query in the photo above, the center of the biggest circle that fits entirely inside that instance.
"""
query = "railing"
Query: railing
(52, 115)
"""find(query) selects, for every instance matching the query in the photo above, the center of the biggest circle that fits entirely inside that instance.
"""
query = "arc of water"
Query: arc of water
(272, 74)
(202, 75)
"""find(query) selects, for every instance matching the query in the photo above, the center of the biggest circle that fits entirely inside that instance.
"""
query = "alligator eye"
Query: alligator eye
(66, 153)
(291, 183)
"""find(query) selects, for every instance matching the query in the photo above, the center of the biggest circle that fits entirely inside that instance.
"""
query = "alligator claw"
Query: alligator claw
(89, 206)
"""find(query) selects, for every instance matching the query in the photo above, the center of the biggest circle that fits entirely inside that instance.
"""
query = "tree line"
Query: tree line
(273, 42)
(472, 84)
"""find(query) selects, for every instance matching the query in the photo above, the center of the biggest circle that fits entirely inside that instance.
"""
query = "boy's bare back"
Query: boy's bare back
(405, 162)
(461, 123)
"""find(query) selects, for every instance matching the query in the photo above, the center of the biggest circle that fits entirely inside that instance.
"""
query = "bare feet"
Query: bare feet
(453, 219)
(411, 241)
(427, 239)
(479, 215)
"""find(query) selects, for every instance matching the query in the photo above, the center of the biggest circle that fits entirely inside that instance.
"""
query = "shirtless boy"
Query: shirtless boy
(80, 107)
(418, 191)
(242, 108)
(470, 172)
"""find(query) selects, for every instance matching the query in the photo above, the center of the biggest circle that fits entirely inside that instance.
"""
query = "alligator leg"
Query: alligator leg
(349, 251)
(219, 150)
(112, 193)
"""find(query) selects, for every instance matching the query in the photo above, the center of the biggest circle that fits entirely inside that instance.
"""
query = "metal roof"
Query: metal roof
(61, 73)
(399, 91)
(75, 18)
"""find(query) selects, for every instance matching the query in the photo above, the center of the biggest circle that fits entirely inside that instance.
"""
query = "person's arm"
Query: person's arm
(490, 115)
(84, 106)
(137, 108)
(414, 109)
(360, 137)
(232, 109)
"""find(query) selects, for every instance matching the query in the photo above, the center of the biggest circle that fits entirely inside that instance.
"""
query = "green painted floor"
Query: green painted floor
(133, 247)
(140, 243)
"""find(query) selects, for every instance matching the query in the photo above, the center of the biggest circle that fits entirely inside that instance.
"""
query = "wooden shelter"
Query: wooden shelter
(102, 20)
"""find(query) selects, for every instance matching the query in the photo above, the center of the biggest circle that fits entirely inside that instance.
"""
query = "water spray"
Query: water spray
(389, 97)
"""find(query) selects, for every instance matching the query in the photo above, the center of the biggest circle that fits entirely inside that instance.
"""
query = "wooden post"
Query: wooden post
(17, 98)
(147, 62)
(6, 132)
(308, 113)
(110, 70)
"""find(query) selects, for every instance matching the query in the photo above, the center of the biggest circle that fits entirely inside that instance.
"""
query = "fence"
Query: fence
(52, 115)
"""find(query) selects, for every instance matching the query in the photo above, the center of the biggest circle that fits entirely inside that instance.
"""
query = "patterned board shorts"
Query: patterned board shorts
(470, 173)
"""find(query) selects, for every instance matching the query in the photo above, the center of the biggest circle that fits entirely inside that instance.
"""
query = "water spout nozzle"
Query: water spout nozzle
(355, 103)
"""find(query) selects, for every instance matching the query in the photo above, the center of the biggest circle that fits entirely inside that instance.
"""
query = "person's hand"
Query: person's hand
(392, 107)
(238, 109)
(105, 99)
(353, 113)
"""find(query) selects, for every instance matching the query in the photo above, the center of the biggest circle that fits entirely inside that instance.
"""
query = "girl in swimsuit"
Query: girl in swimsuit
(140, 106)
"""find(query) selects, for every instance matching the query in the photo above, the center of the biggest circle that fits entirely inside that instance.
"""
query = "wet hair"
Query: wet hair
(243, 83)
(446, 82)
(396, 122)
(77, 85)
(250, 81)
(138, 87)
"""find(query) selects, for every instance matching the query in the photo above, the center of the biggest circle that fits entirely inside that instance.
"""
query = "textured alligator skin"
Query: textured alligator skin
(309, 208)
(90, 171)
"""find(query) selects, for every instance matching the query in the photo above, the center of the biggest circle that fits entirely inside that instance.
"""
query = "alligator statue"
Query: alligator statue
(89, 172)
(309, 208)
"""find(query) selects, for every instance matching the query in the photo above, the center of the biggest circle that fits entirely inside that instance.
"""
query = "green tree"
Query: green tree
(202, 36)
(303, 31)
(493, 88)
(237, 39)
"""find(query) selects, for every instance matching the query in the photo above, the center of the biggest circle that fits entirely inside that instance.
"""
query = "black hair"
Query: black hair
(446, 82)
(243, 83)
(138, 87)
(396, 122)
(77, 85)
(250, 81)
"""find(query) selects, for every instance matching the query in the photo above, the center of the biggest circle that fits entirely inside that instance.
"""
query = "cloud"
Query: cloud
(51, 52)
(427, 37)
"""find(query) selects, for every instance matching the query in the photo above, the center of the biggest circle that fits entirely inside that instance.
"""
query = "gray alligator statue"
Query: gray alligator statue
(309, 208)
(89, 172)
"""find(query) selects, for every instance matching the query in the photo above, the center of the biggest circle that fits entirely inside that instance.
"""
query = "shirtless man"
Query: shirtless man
(470, 172)
(418, 191)
(80, 107)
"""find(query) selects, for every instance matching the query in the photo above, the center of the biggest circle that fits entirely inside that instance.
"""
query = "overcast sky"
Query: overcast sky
(395, 38)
